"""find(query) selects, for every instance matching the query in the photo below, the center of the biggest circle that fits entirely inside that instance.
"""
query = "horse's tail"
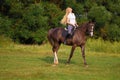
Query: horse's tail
(50, 37)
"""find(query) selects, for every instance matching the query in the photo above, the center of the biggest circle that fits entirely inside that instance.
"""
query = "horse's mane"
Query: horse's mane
(82, 26)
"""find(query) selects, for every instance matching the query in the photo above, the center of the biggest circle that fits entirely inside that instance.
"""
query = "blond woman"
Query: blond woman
(69, 19)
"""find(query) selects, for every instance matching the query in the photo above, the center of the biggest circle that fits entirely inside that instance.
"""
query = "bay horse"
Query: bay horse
(56, 36)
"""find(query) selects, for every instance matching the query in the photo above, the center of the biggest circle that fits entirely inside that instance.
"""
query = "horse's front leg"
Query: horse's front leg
(83, 54)
(71, 54)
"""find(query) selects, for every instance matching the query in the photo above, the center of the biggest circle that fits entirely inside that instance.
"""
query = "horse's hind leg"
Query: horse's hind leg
(55, 58)
(55, 50)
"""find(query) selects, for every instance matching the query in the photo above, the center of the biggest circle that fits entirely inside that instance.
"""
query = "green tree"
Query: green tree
(101, 16)
(53, 13)
(113, 33)
(33, 21)
(5, 26)
(27, 21)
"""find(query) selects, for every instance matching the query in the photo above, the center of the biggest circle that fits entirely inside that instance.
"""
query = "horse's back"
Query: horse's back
(50, 32)
(55, 34)
(55, 31)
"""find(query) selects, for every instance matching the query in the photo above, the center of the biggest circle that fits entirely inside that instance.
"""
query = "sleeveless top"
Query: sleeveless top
(72, 18)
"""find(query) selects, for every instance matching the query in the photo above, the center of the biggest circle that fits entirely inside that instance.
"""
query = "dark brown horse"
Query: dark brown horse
(56, 36)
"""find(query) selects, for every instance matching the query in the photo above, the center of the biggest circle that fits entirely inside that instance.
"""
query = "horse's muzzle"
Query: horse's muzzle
(91, 33)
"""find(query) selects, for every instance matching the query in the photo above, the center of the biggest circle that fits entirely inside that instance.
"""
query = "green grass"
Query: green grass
(34, 62)
(100, 45)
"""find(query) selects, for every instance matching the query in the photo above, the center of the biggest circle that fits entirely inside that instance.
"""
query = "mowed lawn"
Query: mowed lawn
(34, 62)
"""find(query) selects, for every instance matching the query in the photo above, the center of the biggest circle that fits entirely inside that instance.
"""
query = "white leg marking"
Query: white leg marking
(91, 34)
(55, 58)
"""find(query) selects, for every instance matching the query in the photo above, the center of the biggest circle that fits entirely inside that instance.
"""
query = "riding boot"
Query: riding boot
(65, 39)
(67, 36)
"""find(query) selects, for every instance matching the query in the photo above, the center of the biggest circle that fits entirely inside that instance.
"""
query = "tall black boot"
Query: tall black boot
(67, 36)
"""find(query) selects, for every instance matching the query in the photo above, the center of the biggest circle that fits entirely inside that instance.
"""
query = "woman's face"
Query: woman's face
(69, 10)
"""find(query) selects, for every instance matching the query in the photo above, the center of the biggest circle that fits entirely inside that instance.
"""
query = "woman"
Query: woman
(69, 19)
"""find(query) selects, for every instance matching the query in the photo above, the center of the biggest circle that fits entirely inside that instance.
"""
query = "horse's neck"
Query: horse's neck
(83, 27)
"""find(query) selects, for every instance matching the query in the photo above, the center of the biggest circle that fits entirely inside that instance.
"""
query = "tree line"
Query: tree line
(28, 21)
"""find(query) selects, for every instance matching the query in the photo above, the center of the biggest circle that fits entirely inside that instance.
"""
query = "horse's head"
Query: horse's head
(90, 28)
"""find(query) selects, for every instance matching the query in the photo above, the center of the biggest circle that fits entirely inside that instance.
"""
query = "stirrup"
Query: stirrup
(64, 42)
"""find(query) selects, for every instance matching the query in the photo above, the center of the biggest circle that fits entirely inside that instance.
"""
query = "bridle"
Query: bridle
(91, 30)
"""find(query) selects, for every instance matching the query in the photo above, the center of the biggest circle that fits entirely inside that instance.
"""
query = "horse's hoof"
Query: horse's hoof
(67, 63)
(86, 66)
(54, 65)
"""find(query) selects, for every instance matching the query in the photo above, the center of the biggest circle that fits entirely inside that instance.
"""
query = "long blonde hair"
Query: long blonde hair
(64, 19)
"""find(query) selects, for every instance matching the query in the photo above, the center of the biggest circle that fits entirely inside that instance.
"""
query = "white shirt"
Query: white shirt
(72, 18)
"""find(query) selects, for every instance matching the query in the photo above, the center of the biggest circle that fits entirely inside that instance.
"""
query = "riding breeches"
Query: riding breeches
(70, 29)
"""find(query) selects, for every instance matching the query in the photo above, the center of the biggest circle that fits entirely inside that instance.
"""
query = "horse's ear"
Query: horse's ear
(93, 20)
(90, 21)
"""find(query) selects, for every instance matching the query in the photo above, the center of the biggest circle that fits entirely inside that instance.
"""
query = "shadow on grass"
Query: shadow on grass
(50, 60)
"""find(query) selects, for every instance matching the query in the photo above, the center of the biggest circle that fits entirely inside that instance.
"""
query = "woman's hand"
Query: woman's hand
(76, 25)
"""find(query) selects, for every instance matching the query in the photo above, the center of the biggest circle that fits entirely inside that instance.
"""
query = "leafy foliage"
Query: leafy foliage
(5, 26)
(100, 15)
(114, 32)
(27, 21)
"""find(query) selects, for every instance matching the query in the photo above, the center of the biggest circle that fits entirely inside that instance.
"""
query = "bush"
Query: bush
(32, 22)
(27, 21)
(54, 14)
(113, 32)
(100, 15)
(5, 26)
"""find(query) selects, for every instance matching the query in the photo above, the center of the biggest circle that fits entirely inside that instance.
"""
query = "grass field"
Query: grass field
(34, 62)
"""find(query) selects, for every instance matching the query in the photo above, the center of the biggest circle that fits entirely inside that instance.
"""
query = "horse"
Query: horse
(56, 36)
